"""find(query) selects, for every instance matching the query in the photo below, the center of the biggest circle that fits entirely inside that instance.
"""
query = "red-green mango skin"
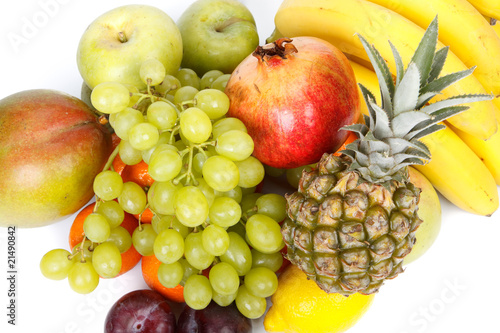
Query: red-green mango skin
(51, 148)
(294, 112)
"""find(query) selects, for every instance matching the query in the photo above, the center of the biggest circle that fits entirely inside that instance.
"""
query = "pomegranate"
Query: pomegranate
(294, 95)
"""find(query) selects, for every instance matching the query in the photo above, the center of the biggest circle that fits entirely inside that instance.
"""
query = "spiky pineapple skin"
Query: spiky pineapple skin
(349, 235)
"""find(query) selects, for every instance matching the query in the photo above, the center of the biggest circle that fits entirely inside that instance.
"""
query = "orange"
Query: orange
(137, 173)
(149, 267)
(118, 164)
(130, 258)
(352, 137)
(146, 216)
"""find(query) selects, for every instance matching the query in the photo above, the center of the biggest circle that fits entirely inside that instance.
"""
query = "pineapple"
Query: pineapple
(353, 219)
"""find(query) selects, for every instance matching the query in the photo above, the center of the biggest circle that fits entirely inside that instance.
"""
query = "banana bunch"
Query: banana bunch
(465, 165)
(490, 8)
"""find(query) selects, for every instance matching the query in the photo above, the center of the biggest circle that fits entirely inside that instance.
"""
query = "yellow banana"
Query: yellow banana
(489, 8)
(454, 170)
(488, 151)
(338, 21)
(496, 27)
(470, 37)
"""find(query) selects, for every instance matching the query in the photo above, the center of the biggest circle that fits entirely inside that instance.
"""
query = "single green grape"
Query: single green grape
(224, 279)
(184, 94)
(133, 198)
(223, 300)
(272, 205)
(195, 125)
(170, 275)
(238, 254)
(96, 227)
(235, 145)
(261, 282)
(110, 97)
(273, 261)
(169, 221)
(113, 212)
(162, 114)
(123, 121)
(249, 203)
(143, 239)
(195, 253)
(128, 154)
(199, 159)
(227, 124)
(165, 165)
(238, 228)
(56, 264)
(191, 206)
(163, 139)
(168, 246)
(220, 82)
(209, 77)
(152, 72)
(108, 185)
(161, 197)
(249, 305)
(221, 173)
(188, 270)
(121, 238)
(208, 192)
(83, 278)
(215, 240)
(224, 212)
(188, 77)
(213, 102)
(236, 193)
(107, 260)
(197, 292)
(161, 147)
(169, 85)
(83, 252)
(251, 172)
(274, 172)
(132, 90)
(264, 233)
(143, 136)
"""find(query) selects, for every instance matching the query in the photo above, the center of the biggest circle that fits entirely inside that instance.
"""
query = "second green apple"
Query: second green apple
(217, 34)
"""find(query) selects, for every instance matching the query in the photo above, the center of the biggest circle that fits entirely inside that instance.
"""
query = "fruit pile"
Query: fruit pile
(187, 137)
(197, 194)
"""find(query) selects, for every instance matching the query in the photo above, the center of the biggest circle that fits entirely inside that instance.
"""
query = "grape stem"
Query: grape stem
(112, 156)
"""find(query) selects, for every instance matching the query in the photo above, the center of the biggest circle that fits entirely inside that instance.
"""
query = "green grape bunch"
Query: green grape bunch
(206, 211)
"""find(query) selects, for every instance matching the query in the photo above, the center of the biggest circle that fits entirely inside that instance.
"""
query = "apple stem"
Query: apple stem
(122, 38)
(282, 47)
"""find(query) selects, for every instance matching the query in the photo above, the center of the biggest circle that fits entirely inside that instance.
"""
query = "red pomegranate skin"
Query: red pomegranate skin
(51, 148)
(294, 105)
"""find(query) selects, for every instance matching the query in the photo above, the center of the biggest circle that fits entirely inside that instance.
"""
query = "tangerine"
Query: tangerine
(149, 267)
(350, 138)
(130, 258)
(146, 216)
(137, 173)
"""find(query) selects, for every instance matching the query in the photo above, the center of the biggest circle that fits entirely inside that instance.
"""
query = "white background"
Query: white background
(453, 288)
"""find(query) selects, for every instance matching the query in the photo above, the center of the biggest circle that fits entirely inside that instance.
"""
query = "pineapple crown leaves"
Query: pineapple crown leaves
(388, 142)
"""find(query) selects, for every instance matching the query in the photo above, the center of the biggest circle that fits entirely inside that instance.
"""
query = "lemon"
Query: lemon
(300, 306)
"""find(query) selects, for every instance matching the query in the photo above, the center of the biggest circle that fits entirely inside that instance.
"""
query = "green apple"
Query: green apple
(116, 44)
(51, 148)
(429, 210)
(217, 34)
